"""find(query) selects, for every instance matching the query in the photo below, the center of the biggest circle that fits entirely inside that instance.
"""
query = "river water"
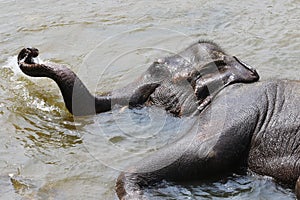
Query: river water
(45, 153)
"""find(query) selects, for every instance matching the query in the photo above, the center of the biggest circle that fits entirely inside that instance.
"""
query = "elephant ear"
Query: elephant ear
(142, 93)
(204, 103)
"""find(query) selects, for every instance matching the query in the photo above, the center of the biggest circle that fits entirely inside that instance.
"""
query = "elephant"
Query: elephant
(252, 127)
(182, 84)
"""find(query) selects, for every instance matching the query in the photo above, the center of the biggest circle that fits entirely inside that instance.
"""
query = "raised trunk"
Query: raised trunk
(78, 100)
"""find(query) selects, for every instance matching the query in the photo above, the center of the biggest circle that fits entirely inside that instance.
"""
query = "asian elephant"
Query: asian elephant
(182, 84)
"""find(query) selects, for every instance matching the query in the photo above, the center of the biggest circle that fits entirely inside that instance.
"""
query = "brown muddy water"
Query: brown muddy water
(45, 153)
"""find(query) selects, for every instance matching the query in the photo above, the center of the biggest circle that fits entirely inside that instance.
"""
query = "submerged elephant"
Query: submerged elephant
(250, 126)
(182, 84)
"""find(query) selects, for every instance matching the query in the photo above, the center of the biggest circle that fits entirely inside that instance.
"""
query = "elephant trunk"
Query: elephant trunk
(78, 100)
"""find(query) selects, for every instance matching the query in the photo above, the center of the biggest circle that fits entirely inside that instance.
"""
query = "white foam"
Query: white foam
(12, 63)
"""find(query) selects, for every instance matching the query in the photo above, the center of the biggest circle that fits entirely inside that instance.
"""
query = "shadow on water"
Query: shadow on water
(233, 187)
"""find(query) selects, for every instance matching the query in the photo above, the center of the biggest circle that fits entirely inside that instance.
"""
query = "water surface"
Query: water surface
(47, 154)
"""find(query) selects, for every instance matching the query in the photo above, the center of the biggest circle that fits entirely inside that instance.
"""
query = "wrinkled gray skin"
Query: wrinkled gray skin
(254, 126)
(182, 84)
